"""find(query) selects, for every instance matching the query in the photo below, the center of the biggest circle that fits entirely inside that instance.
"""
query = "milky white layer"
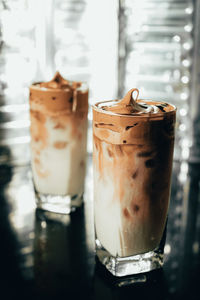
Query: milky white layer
(64, 168)
(107, 215)
(118, 235)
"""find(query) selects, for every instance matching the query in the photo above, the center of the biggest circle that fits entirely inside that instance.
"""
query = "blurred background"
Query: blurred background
(112, 45)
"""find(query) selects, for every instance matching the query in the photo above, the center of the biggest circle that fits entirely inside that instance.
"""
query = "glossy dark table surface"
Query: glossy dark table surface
(43, 257)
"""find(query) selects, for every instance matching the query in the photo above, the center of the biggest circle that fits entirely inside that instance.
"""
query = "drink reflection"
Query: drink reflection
(146, 285)
(61, 258)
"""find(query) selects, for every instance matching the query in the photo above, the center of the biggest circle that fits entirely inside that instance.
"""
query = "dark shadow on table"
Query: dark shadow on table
(150, 285)
(63, 261)
(61, 258)
(12, 283)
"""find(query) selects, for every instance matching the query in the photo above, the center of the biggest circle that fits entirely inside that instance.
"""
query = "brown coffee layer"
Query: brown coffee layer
(60, 95)
(62, 102)
(126, 121)
(133, 130)
(130, 104)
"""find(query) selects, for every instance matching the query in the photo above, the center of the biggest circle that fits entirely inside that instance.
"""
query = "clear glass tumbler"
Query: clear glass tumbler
(132, 165)
(58, 113)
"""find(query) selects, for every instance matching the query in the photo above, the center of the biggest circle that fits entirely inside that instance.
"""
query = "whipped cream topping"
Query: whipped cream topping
(130, 104)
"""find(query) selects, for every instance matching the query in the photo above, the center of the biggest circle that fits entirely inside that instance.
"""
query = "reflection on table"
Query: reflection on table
(51, 256)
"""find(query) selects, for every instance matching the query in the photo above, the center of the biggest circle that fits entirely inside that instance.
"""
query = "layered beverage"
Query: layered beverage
(133, 143)
(58, 113)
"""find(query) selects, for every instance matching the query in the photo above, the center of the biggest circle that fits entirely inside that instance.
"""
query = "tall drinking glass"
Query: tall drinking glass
(58, 112)
(133, 142)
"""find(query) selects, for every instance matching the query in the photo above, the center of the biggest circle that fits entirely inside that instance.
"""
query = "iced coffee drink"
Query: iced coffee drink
(132, 163)
(58, 113)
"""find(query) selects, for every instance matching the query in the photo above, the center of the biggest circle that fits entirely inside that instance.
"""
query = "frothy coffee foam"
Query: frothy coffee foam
(62, 101)
(130, 119)
(130, 104)
(60, 95)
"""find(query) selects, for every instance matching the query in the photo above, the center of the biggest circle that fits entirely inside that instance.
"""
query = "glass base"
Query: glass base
(57, 203)
(136, 264)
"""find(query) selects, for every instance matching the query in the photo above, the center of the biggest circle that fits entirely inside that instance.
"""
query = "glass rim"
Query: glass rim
(142, 115)
(83, 88)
